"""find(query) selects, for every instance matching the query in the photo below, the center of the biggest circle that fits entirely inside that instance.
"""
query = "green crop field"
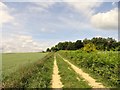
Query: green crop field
(12, 61)
(24, 70)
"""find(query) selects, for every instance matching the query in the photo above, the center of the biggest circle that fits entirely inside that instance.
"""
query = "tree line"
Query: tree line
(96, 43)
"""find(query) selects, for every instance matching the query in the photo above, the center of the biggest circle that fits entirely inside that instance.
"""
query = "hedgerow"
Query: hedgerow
(103, 65)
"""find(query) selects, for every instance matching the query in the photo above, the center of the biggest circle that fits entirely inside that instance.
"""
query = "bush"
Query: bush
(89, 47)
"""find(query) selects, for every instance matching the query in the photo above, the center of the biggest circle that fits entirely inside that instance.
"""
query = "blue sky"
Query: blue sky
(34, 26)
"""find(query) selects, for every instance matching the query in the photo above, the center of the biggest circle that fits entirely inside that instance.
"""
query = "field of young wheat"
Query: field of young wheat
(27, 70)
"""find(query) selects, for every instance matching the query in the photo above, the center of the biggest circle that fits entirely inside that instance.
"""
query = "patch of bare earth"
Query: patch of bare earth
(56, 83)
(92, 82)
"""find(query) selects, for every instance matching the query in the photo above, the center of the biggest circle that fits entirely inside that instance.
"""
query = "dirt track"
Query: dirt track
(92, 82)
(56, 83)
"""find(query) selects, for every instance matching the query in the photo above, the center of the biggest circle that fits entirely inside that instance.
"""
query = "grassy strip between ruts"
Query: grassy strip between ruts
(69, 78)
(37, 75)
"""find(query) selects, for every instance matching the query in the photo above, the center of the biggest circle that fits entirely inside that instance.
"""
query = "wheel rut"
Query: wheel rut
(91, 81)
(56, 83)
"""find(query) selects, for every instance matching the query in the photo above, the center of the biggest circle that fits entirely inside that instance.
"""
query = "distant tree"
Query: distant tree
(71, 46)
(54, 49)
(48, 50)
(86, 41)
(98, 43)
(43, 51)
(78, 44)
(65, 45)
(111, 43)
(62, 45)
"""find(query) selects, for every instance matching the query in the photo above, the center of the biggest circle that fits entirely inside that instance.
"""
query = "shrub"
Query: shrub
(89, 47)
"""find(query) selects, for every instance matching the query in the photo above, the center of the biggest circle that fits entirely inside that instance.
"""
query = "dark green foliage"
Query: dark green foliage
(62, 46)
(86, 41)
(103, 44)
(54, 49)
(71, 46)
(78, 44)
(48, 50)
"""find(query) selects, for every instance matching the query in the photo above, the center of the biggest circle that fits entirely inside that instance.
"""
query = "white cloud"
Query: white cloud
(46, 30)
(107, 20)
(5, 16)
(75, 24)
(24, 43)
(20, 43)
(45, 4)
(41, 6)
(86, 8)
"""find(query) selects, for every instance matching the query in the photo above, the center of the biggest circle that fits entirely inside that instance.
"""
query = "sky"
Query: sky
(35, 26)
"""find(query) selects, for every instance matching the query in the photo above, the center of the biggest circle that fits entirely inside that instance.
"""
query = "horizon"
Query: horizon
(33, 26)
(9, 52)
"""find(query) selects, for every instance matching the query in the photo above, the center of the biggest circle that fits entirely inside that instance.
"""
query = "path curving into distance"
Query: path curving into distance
(56, 83)
(92, 82)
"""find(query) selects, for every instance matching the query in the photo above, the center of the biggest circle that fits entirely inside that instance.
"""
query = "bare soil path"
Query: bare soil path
(92, 82)
(56, 83)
